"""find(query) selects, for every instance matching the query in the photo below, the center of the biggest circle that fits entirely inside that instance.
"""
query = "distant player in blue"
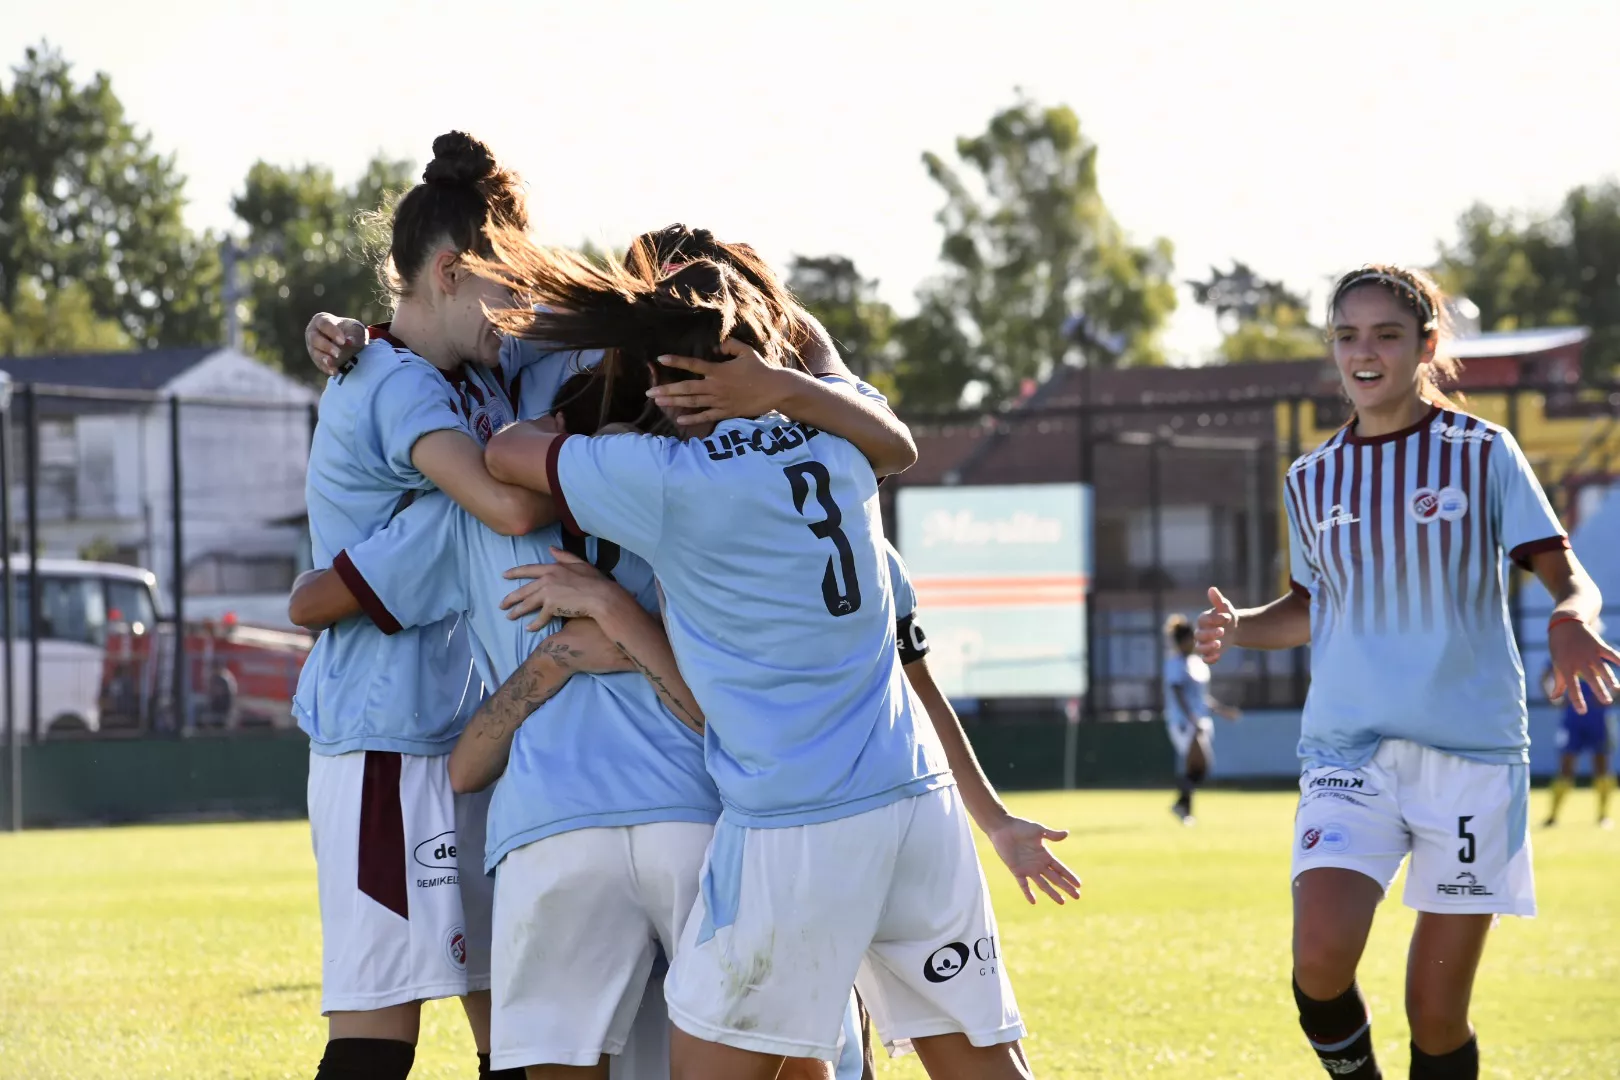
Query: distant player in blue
(1414, 737)
(1590, 732)
(382, 712)
(765, 537)
(1187, 711)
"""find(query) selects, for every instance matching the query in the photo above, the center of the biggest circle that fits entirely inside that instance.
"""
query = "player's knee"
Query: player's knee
(1324, 964)
(1439, 1021)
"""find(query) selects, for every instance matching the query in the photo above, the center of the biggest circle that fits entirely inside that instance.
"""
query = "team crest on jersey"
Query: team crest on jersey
(1447, 504)
(455, 948)
(486, 420)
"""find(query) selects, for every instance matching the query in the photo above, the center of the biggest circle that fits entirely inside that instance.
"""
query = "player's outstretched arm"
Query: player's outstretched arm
(746, 386)
(455, 463)
(1285, 623)
(517, 456)
(320, 599)
(1579, 653)
(333, 341)
(1021, 844)
(572, 588)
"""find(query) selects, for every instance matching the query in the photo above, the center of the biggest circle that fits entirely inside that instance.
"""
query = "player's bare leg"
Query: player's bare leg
(400, 1023)
(1333, 913)
(1440, 972)
(952, 1057)
(805, 1069)
(599, 1071)
(476, 1006)
(377, 1042)
(692, 1058)
(1561, 787)
(1603, 785)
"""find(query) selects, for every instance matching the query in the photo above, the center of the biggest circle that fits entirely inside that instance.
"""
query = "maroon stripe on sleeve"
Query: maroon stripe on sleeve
(1425, 600)
(383, 875)
(557, 496)
(1525, 552)
(374, 608)
(1294, 586)
(1397, 513)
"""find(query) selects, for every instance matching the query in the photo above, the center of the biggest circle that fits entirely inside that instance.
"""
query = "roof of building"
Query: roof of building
(149, 369)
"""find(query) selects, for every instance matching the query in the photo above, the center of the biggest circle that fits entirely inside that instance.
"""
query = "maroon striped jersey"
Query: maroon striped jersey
(1399, 541)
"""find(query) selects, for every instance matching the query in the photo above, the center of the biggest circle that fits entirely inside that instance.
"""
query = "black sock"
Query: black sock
(1340, 1031)
(1184, 790)
(366, 1059)
(484, 1071)
(1461, 1064)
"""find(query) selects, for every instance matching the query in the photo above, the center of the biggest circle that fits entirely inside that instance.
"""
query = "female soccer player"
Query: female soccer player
(843, 846)
(383, 712)
(1591, 732)
(1414, 735)
(1187, 708)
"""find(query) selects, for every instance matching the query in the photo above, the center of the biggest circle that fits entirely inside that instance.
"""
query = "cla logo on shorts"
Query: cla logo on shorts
(438, 852)
(946, 963)
(1329, 837)
(455, 948)
(1311, 838)
(1447, 504)
(1466, 884)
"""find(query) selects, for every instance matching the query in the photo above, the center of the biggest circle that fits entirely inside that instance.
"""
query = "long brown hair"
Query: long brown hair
(573, 303)
(1418, 293)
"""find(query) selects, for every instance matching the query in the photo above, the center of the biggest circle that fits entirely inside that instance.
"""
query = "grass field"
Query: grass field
(193, 951)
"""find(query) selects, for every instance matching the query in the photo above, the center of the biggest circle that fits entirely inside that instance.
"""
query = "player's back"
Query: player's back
(769, 549)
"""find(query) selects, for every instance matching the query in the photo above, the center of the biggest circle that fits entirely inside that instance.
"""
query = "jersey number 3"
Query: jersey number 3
(828, 528)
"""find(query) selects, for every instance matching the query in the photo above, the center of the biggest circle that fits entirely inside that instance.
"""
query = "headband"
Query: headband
(1399, 284)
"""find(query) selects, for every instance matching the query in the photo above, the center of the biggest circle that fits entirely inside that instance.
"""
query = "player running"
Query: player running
(382, 712)
(1414, 736)
(1591, 732)
(1187, 709)
(765, 538)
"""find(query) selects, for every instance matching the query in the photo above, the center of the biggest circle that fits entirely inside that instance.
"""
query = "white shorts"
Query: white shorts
(579, 918)
(1465, 823)
(893, 900)
(1181, 735)
(386, 864)
(477, 887)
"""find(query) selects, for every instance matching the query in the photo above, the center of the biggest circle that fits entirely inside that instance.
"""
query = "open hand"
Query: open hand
(1580, 656)
(744, 386)
(569, 588)
(1021, 845)
(1215, 627)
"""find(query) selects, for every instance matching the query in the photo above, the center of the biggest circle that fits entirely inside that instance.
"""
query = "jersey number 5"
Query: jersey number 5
(799, 476)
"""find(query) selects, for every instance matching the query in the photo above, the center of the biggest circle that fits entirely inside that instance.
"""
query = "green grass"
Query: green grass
(194, 952)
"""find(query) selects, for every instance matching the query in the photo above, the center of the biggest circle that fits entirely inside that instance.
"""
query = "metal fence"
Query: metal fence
(148, 539)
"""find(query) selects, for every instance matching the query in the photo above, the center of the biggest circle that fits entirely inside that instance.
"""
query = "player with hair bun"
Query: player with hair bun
(1414, 738)
(404, 904)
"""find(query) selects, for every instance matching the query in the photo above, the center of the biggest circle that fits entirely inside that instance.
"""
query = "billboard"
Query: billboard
(1001, 575)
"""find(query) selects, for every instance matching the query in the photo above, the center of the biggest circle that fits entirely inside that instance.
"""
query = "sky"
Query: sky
(1303, 138)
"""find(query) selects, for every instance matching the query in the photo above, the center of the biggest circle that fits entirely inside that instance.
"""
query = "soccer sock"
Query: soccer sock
(1604, 785)
(484, 1071)
(1340, 1031)
(366, 1059)
(1461, 1064)
(1560, 790)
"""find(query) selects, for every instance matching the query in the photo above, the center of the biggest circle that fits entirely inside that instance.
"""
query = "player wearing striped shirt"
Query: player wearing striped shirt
(1414, 735)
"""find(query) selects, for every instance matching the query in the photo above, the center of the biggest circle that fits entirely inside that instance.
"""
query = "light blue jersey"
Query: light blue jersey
(908, 633)
(767, 540)
(360, 690)
(1190, 675)
(534, 371)
(1399, 540)
(604, 751)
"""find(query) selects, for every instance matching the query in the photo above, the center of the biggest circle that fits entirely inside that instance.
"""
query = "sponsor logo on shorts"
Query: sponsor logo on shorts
(1466, 884)
(948, 961)
(438, 852)
(1342, 780)
(1329, 837)
(455, 948)
(1316, 796)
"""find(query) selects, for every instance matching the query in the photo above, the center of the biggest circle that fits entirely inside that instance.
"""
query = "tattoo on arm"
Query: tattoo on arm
(671, 700)
(527, 690)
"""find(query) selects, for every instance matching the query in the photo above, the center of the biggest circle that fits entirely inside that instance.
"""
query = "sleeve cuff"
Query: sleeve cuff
(564, 512)
(1295, 586)
(1525, 552)
(374, 608)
